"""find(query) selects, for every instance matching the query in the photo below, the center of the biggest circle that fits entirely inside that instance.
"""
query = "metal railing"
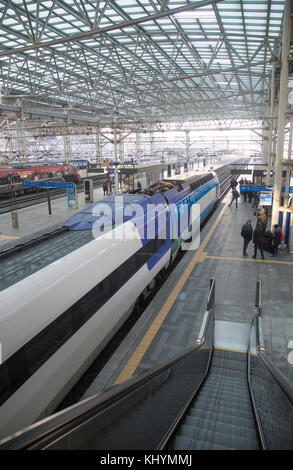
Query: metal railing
(272, 394)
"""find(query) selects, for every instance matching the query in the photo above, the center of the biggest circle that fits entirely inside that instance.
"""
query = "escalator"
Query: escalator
(207, 398)
(221, 416)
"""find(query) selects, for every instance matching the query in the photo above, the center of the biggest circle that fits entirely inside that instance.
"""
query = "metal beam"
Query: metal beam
(125, 24)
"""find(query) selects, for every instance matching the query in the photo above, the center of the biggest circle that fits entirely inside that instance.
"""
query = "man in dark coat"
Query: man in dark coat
(246, 234)
(233, 183)
(235, 196)
(258, 239)
(277, 239)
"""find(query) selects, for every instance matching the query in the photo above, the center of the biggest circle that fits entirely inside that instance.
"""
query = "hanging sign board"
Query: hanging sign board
(265, 199)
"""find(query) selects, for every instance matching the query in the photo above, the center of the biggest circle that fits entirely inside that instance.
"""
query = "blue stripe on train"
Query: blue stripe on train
(162, 251)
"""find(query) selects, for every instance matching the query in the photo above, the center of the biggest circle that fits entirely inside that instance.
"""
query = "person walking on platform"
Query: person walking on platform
(258, 239)
(109, 187)
(235, 196)
(233, 183)
(246, 234)
(277, 239)
(255, 200)
(105, 189)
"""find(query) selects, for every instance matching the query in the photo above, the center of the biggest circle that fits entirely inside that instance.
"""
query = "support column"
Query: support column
(151, 144)
(9, 147)
(282, 111)
(272, 121)
(21, 142)
(98, 145)
(288, 167)
(116, 156)
(265, 140)
(187, 147)
(67, 148)
(121, 149)
(138, 145)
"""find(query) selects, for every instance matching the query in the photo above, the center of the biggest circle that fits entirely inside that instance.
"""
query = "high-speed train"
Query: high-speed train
(57, 317)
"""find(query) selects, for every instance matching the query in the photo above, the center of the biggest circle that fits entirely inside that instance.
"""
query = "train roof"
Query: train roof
(187, 177)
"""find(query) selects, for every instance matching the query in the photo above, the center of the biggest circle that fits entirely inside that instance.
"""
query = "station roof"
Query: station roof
(139, 60)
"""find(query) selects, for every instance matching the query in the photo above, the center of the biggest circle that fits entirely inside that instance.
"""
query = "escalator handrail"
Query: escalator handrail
(67, 420)
(278, 377)
(281, 380)
(259, 426)
(170, 433)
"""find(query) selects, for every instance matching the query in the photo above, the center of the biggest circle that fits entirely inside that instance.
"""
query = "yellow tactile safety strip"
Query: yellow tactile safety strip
(226, 258)
(7, 237)
(139, 352)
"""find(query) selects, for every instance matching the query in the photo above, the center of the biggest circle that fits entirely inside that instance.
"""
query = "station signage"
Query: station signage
(258, 188)
(265, 199)
(255, 188)
(49, 184)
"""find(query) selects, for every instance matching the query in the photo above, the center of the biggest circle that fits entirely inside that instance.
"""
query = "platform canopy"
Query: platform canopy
(138, 61)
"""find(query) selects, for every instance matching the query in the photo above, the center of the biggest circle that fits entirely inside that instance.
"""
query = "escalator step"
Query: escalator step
(182, 443)
(209, 413)
(240, 399)
(225, 353)
(222, 419)
(221, 406)
(229, 364)
(222, 428)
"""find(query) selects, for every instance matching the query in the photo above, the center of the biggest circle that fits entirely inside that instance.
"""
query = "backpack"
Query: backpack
(282, 238)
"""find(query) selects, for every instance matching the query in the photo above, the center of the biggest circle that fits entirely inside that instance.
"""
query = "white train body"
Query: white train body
(34, 308)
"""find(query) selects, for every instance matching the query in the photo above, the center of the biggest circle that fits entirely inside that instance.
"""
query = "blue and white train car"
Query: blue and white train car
(55, 322)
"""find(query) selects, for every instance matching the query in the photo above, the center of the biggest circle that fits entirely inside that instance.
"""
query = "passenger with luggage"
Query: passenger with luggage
(246, 234)
(235, 196)
(278, 235)
(258, 239)
(268, 243)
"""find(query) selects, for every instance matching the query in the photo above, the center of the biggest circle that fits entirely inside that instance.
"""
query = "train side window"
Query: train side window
(37, 353)
(62, 331)
(4, 383)
(122, 274)
(102, 292)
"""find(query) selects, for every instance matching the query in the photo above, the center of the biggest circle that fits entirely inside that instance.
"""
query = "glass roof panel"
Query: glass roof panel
(153, 62)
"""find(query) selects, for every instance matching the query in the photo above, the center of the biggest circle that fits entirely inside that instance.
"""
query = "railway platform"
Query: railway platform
(35, 220)
(172, 321)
